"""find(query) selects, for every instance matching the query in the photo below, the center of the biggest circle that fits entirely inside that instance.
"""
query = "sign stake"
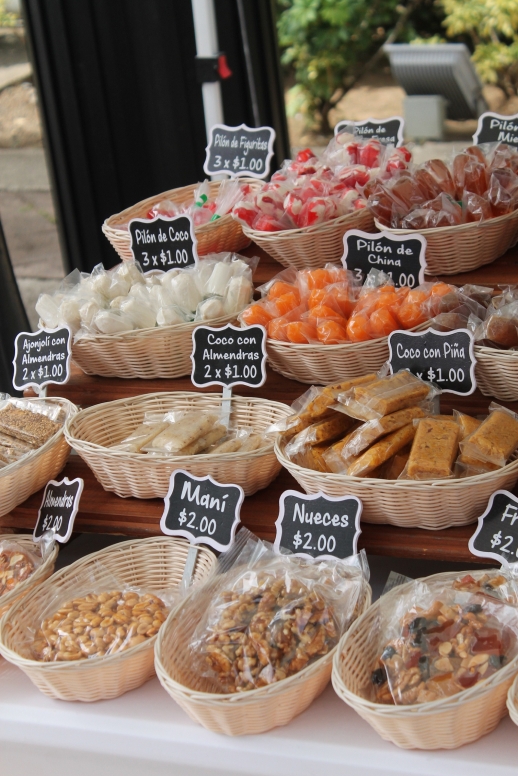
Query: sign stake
(226, 405)
(190, 563)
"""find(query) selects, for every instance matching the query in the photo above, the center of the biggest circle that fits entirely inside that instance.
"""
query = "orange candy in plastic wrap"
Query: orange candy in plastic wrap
(327, 306)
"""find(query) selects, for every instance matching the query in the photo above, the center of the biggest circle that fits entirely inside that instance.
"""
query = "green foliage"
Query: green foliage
(8, 19)
(492, 28)
(328, 43)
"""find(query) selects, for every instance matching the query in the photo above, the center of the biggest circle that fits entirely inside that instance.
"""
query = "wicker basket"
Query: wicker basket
(320, 364)
(164, 351)
(434, 504)
(512, 701)
(42, 572)
(94, 430)
(152, 564)
(454, 249)
(497, 373)
(246, 713)
(225, 234)
(311, 246)
(20, 479)
(444, 724)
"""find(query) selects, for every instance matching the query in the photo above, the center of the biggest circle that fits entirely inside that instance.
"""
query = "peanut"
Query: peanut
(98, 625)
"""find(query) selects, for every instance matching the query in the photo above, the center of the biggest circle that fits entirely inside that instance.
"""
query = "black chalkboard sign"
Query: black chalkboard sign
(497, 530)
(443, 358)
(163, 243)
(387, 131)
(42, 357)
(228, 356)
(495, 128)
(400, 256)
(318, 526)
(202, 510)
(239, 151)
(59, 508)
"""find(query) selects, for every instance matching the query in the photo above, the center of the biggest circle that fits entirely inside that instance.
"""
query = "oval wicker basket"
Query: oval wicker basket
(320, 364)
(152, 564)
(434, 504)
(95, 429)
(20, 479)
(311, 246)
(444, 724)
(225, 234)
(246, 713)
(497, 372)
(512, 701)
(42, 572)
(163, 351)
(454, 249)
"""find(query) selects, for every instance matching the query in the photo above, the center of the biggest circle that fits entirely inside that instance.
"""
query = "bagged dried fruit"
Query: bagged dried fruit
(439, 638)
(269, 616)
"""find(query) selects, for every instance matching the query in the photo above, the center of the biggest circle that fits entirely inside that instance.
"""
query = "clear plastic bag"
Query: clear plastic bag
(496, 439)
(434, 449)
(32, 423)
(269, 616)
(388, 394)
(438, 638)
(99, 615)
(17, 564)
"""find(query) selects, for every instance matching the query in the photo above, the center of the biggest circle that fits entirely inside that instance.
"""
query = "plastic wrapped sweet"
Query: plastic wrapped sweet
(124, 299)
(308, 191)
(496, 439)
(478, 184)
(327, 306)
(269, 616)
(17, 564)
(434, 449)
(188, 433)
(386, 395)
(438, 638)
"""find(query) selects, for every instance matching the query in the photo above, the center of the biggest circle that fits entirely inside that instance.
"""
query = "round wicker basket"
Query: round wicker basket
(454, 249)
(497, 373)
(95, 429)
(225, 234)
(311, 246)
(320, 364)
(20, 479)
(512, 701)
(152, 564)
(444, 724)
(163, 351)
(434, 504)
(42, 572)
(246, 713)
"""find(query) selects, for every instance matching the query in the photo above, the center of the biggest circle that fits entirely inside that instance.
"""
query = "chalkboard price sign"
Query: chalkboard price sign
(387, 131)
(42, 357)
(497, 530)
(202, 510)
(239, 151)
(443, 358)
(228, 356)
(59, 508)
(318, 526)
(400, 256)
(163, 243)
(495, 128)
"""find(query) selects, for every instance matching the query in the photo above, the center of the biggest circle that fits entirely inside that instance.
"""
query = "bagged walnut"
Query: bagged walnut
(440, 638)
(269, 616)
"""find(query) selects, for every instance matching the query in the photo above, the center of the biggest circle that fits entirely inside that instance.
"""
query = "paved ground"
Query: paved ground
(28, 219)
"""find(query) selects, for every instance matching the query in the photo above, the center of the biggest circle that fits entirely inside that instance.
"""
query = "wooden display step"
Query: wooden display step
(103, 512)
(106, 513)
